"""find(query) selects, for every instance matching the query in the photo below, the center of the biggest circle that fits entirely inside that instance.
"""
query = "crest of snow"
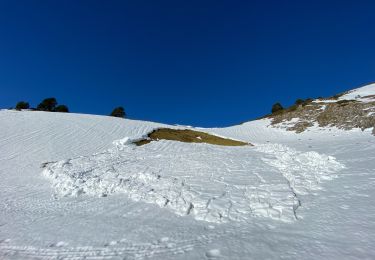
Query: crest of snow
(211, 183)
(324, 101)
(122, 142)
(364, 94)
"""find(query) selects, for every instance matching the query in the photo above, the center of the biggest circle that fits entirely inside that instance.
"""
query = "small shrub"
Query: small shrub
(61, 109)
(345, 102)
(22, 105)
(292, 108)
(118, 112)
(299, 102)
(277, 107)
(48, 104)
(307, 101)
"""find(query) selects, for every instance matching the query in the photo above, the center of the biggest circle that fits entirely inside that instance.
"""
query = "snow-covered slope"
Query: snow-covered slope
(211, 183)
(74, 186)
(349, 110)
(362, 94)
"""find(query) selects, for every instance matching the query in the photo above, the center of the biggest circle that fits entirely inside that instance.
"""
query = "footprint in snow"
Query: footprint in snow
(213, 253)
(59, 244)
(164, 239)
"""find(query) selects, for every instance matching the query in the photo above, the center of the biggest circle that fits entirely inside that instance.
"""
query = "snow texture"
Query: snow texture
(211, 183)
(362, 94)
(71, 191)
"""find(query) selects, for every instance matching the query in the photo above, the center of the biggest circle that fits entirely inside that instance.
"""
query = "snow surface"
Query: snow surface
(363, 94)
(225, 184)
(75, 187)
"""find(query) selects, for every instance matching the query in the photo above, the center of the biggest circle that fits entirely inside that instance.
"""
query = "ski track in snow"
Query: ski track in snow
(210, 183)
(111, 250)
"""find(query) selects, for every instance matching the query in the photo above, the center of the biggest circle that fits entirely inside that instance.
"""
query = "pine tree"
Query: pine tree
(118, 112)
(299, 102)
(48, 104)
(62, 109)
(277, 107)
(22, 105)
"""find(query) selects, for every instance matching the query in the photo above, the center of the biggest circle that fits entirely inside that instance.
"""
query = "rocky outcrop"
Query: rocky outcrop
(343, 114)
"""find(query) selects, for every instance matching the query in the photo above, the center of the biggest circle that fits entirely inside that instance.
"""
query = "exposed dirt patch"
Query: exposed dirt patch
(370, 96)
(188, 136)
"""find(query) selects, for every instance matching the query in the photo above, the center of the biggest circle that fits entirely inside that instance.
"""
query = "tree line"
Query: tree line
(278, 108)
(51, 105)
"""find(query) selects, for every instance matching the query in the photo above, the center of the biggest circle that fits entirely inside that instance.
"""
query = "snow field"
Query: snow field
(211, 183)
(335, 220)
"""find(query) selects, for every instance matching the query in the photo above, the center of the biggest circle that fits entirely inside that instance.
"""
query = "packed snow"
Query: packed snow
(211, 183)
(75, 187)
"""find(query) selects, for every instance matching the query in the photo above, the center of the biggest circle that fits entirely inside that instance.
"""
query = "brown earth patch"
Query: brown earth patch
(344, 114)
(188, 136)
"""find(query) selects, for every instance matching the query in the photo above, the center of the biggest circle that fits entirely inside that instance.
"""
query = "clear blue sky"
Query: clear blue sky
(203, 63)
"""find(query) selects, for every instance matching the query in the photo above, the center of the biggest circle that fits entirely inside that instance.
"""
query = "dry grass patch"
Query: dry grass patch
(343, 114)
(188, 136)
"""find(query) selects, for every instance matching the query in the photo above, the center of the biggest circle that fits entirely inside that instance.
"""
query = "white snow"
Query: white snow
(324, 101)
(213, 253)
(363, 94)
(74, 186)
(211, 183)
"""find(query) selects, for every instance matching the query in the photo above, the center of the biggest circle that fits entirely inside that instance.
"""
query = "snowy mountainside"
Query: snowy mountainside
(352, 109)
(75, 187)
(362, 94)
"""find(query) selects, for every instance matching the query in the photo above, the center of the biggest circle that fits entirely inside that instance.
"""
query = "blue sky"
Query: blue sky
(202, 63)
